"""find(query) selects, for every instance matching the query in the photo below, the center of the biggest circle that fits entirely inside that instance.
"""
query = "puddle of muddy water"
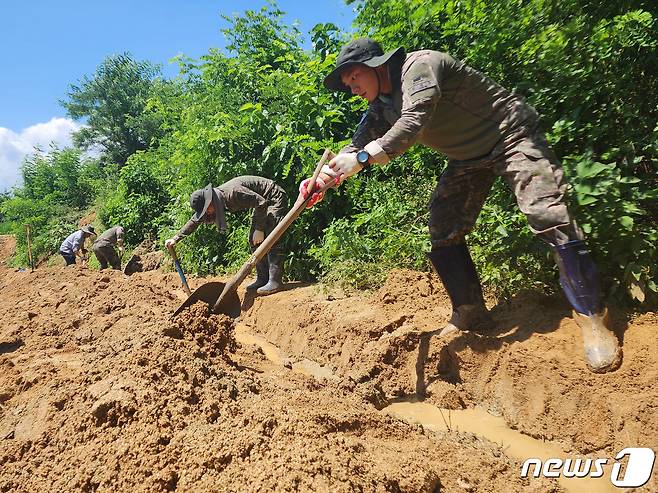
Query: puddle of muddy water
(476, 421)
(515, 444)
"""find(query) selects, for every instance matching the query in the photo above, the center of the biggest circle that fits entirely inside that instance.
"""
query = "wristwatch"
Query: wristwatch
(362, 157)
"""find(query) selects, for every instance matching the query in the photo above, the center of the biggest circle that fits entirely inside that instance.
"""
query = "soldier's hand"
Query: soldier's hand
(345, 164)
(316, 197)
(258, 237)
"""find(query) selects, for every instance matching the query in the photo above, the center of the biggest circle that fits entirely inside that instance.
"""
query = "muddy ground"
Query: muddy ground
(101, 391)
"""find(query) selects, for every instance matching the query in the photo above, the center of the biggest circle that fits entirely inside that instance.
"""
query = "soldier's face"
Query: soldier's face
(210, 214)
(362, 81)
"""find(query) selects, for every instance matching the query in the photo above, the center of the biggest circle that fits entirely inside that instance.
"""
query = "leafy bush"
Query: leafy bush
(260, 108)
(138, 203)
(57, 188)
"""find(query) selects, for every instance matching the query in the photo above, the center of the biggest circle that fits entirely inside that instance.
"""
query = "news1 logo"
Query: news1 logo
(638, 469)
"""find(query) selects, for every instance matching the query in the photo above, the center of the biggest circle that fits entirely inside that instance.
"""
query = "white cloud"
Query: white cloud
(15, 146)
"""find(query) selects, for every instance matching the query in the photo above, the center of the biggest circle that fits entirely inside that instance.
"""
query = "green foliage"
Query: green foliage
(60, 176)
(57, 187)
(138, 203)
(616, 213)
(260, 108)
(387, 228)
(509, 258)
(114, 103)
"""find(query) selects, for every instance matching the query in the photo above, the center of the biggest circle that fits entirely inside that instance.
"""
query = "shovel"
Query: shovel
(224, 297)
(179, 269)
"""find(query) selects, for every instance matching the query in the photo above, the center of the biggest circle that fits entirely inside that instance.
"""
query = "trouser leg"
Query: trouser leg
(270, 268)
(69, 258)
(113, 258)
(454, 207)
(262, 273)
(101, 256)
(533, 172)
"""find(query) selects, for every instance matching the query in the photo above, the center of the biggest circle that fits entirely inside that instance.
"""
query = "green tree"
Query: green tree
(57, 188)
(113, 103)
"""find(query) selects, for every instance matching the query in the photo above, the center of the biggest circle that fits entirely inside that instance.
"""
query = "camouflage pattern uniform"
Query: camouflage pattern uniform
(104, 250)
(485, 130)
(266, 198)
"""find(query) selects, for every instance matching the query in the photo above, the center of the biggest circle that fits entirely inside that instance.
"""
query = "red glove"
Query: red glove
(316, 197)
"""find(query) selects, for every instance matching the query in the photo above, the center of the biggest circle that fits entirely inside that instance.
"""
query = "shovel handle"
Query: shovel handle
(316, 173)
(172, 252)
(276, 233)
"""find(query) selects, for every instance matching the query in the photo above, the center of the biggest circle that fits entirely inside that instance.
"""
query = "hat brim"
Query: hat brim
(207, 199)
(88, 231)
(333, 81)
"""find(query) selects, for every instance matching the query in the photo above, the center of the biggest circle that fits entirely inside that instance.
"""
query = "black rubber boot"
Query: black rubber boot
(455, 268)
(262, 275)
(275, 282)
(580, 281)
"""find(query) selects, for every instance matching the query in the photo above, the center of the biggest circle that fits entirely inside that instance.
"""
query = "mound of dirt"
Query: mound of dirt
(528, 367)
(144, 262)
(7, 248)
(100, 389)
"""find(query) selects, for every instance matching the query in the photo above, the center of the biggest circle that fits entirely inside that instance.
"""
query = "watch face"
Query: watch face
(362, 156)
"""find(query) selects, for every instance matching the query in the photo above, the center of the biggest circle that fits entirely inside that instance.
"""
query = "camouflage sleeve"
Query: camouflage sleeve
(406, 131)
(420, 94)
(189, 228)
(246, 198)
(371, 127)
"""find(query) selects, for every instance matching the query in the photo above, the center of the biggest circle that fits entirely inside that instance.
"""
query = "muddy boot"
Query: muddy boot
(262, 275)
(467, 318)
(453, 264)
(275, 274)
(602, 351)
(580, 282)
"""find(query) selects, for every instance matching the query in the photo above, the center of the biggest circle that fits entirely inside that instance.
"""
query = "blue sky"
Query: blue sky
(48, 45)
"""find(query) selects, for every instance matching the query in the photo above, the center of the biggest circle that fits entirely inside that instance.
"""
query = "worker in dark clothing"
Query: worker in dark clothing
(104, 250)
(269, 202)
(428, 97)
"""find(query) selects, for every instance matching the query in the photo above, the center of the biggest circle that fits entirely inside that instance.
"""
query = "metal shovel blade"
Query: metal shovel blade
(209, 293)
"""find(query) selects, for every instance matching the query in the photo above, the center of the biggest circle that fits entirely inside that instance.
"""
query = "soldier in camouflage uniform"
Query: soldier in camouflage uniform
(430, 98)
(104, 250)
(269, 202)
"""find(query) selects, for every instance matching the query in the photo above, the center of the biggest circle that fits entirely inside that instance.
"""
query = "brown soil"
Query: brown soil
(101, 391)
(7, 247)
(144, 262)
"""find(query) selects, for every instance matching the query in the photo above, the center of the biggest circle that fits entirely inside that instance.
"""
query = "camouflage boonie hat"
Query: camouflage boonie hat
(364, 51)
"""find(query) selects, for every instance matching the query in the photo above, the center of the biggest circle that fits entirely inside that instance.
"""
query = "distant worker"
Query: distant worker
(74, 244)
(270, 204)
(104, 250)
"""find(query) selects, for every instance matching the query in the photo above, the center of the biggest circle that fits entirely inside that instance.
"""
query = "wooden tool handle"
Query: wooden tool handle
(276, 233)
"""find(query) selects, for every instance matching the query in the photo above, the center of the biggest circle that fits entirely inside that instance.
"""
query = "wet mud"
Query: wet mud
(101, 390)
